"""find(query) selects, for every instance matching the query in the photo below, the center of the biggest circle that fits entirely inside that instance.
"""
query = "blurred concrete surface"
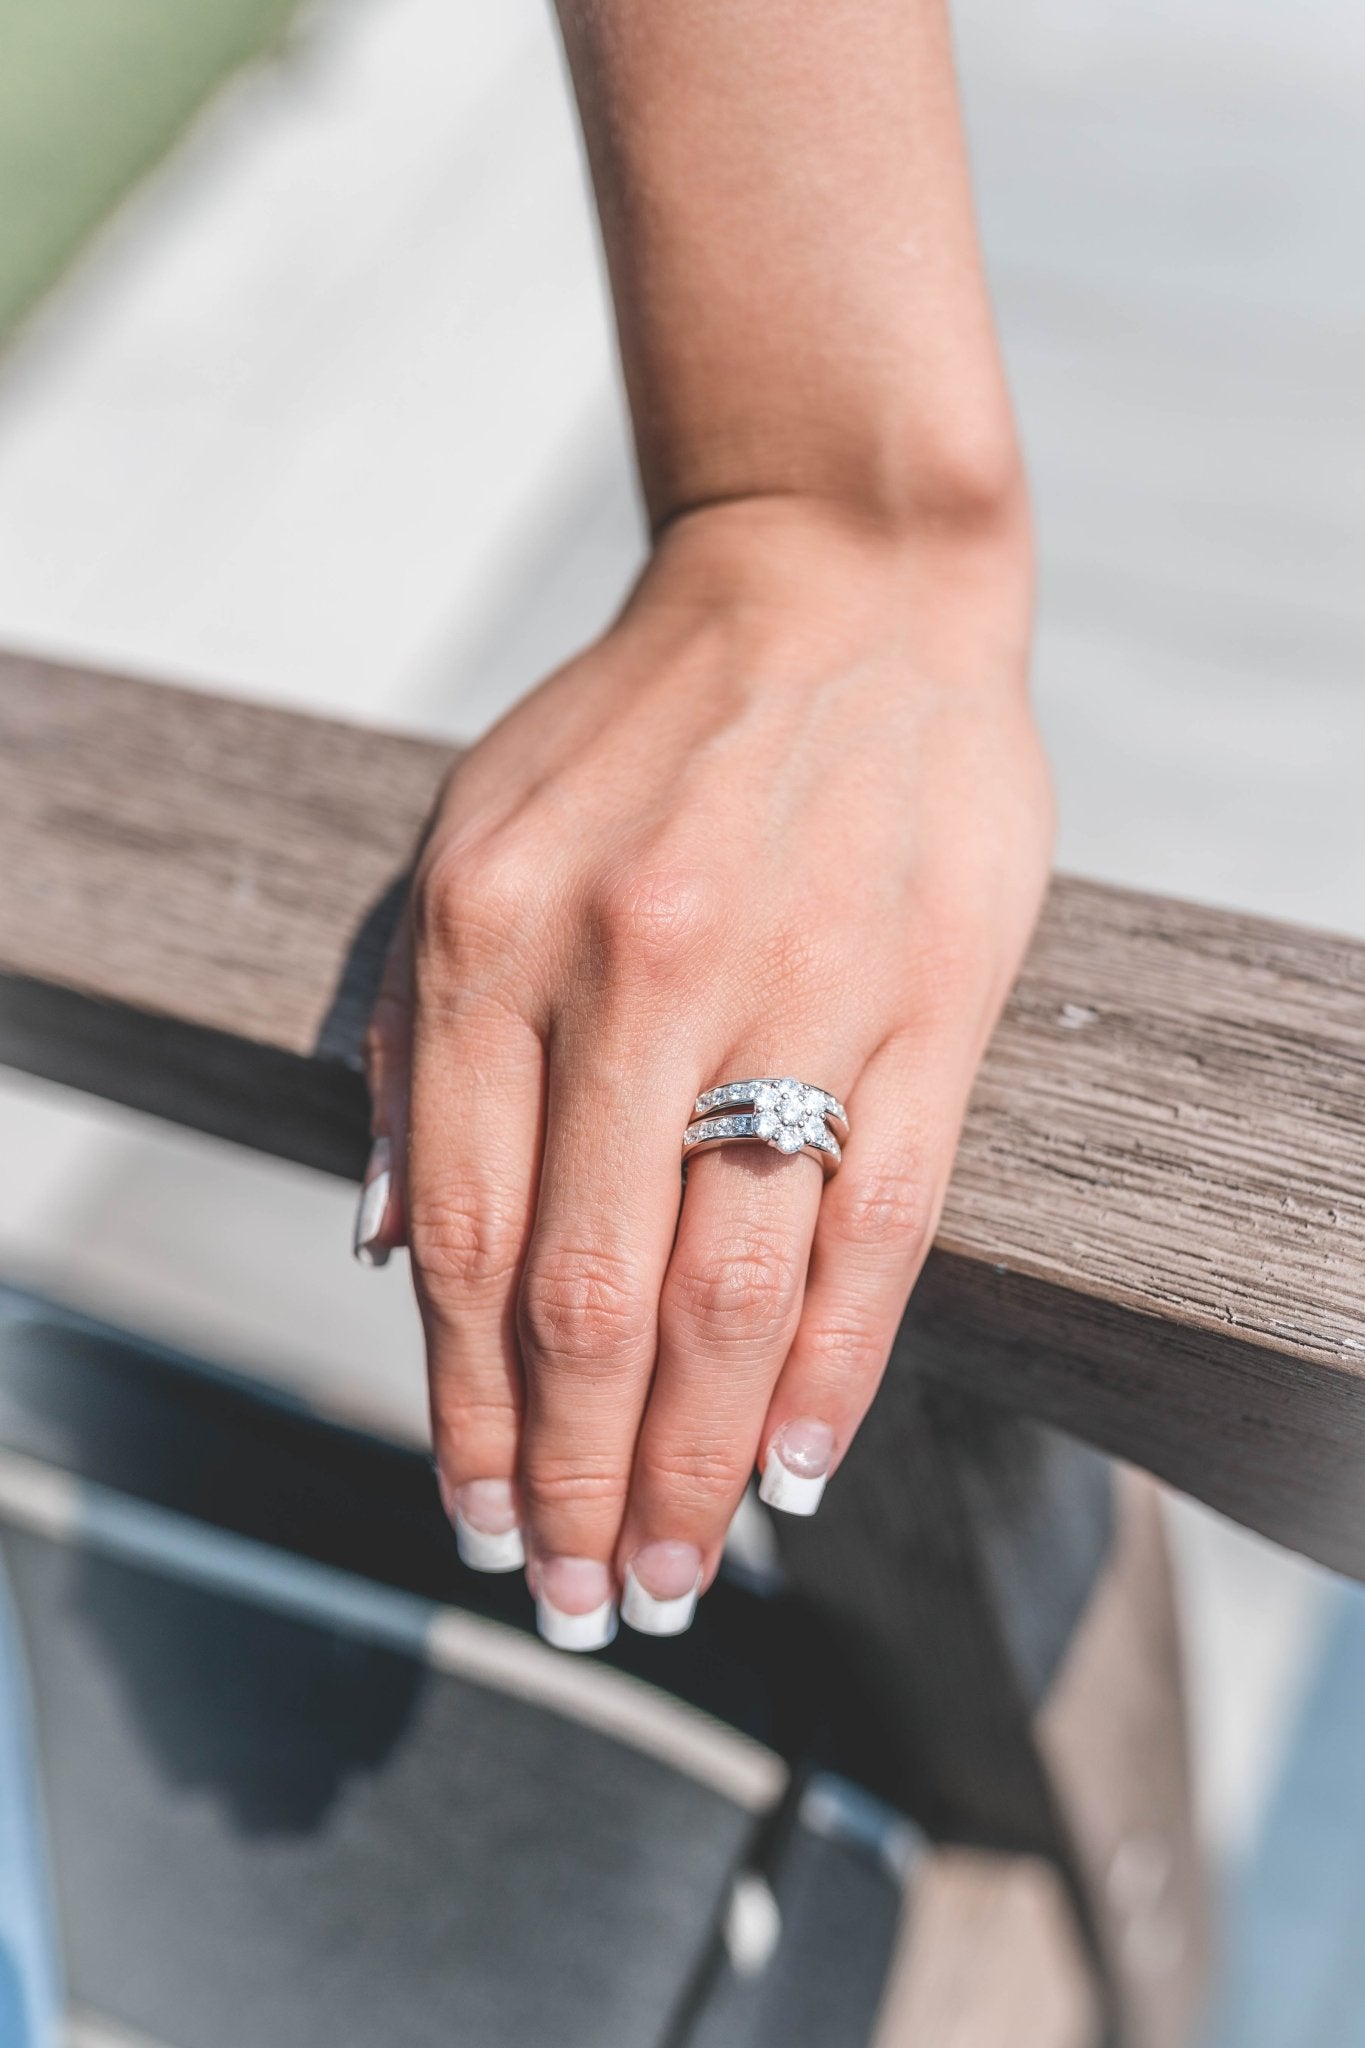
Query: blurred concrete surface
(329, 415)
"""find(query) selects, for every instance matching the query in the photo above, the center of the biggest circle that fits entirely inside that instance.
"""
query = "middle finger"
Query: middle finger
(588, 1311)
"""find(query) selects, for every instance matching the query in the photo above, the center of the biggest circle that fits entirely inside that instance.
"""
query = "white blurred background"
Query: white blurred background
(328, 414)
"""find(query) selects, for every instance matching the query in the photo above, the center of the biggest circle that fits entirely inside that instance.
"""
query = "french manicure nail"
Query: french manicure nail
(374, 1200)
(797, 1466)
(662, 1584)
(487, 1530)
(574, 1605)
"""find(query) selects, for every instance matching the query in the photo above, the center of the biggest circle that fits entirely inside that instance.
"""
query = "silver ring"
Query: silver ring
(789, 1115)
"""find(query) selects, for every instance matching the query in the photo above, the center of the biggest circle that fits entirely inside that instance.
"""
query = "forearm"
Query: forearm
(787, 215)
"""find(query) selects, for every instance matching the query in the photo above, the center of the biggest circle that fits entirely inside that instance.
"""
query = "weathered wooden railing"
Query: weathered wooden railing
(1154, 1242)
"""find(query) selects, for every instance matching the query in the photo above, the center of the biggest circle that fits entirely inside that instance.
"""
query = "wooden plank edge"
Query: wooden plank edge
(310, 1111)
(1272, 1439)
(1140, 1387)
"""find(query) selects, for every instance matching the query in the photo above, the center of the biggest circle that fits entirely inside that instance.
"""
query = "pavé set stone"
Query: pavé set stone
(787, 1114)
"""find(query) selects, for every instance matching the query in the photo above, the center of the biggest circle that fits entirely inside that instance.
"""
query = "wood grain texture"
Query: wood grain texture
(195, 857)
(1155, 1235)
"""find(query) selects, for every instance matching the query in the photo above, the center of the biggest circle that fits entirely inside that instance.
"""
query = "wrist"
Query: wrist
(792, 564)
(936, 454)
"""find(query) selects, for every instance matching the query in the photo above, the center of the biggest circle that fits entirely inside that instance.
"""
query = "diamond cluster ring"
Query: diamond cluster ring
(789, 1115)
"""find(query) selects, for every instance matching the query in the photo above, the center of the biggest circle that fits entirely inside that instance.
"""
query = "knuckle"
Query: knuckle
(386, 1035)
(695, 1475)
(845, 1346)
(652, 918)
(439, 890)
(462, 1242)
(464, 898)
(463, 1418)
(887, 1209)
(746, 1296)
(583, 1307)
(378, 1044)
(555, 1483)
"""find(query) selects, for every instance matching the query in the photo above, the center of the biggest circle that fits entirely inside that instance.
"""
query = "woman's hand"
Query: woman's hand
(790, 816)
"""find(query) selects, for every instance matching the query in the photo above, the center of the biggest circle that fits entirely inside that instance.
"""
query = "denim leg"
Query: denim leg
(30, 2000)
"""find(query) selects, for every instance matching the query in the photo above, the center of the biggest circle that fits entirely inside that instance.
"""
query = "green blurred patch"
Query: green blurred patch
(92, 93)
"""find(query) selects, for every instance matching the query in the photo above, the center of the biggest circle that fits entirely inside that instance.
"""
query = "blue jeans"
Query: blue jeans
(30, 2001)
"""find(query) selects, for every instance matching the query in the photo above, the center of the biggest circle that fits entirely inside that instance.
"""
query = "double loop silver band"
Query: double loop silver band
(790, 1115)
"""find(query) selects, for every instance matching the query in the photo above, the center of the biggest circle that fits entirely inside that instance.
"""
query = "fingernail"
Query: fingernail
(487, 1531)
(797, 1466)
(574, 1605)
(662, 1584)
(374, 1200)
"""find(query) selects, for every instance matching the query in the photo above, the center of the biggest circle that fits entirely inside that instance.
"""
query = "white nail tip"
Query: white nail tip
(591, 1631)
(653, 1617)
(484, 1552)
(791, 1493)
(369, 1220)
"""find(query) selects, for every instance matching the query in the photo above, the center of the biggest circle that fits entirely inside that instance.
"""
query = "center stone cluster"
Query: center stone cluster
(789, 1114)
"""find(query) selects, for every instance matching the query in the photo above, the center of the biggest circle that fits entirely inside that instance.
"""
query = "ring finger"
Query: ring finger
(728, 1312)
